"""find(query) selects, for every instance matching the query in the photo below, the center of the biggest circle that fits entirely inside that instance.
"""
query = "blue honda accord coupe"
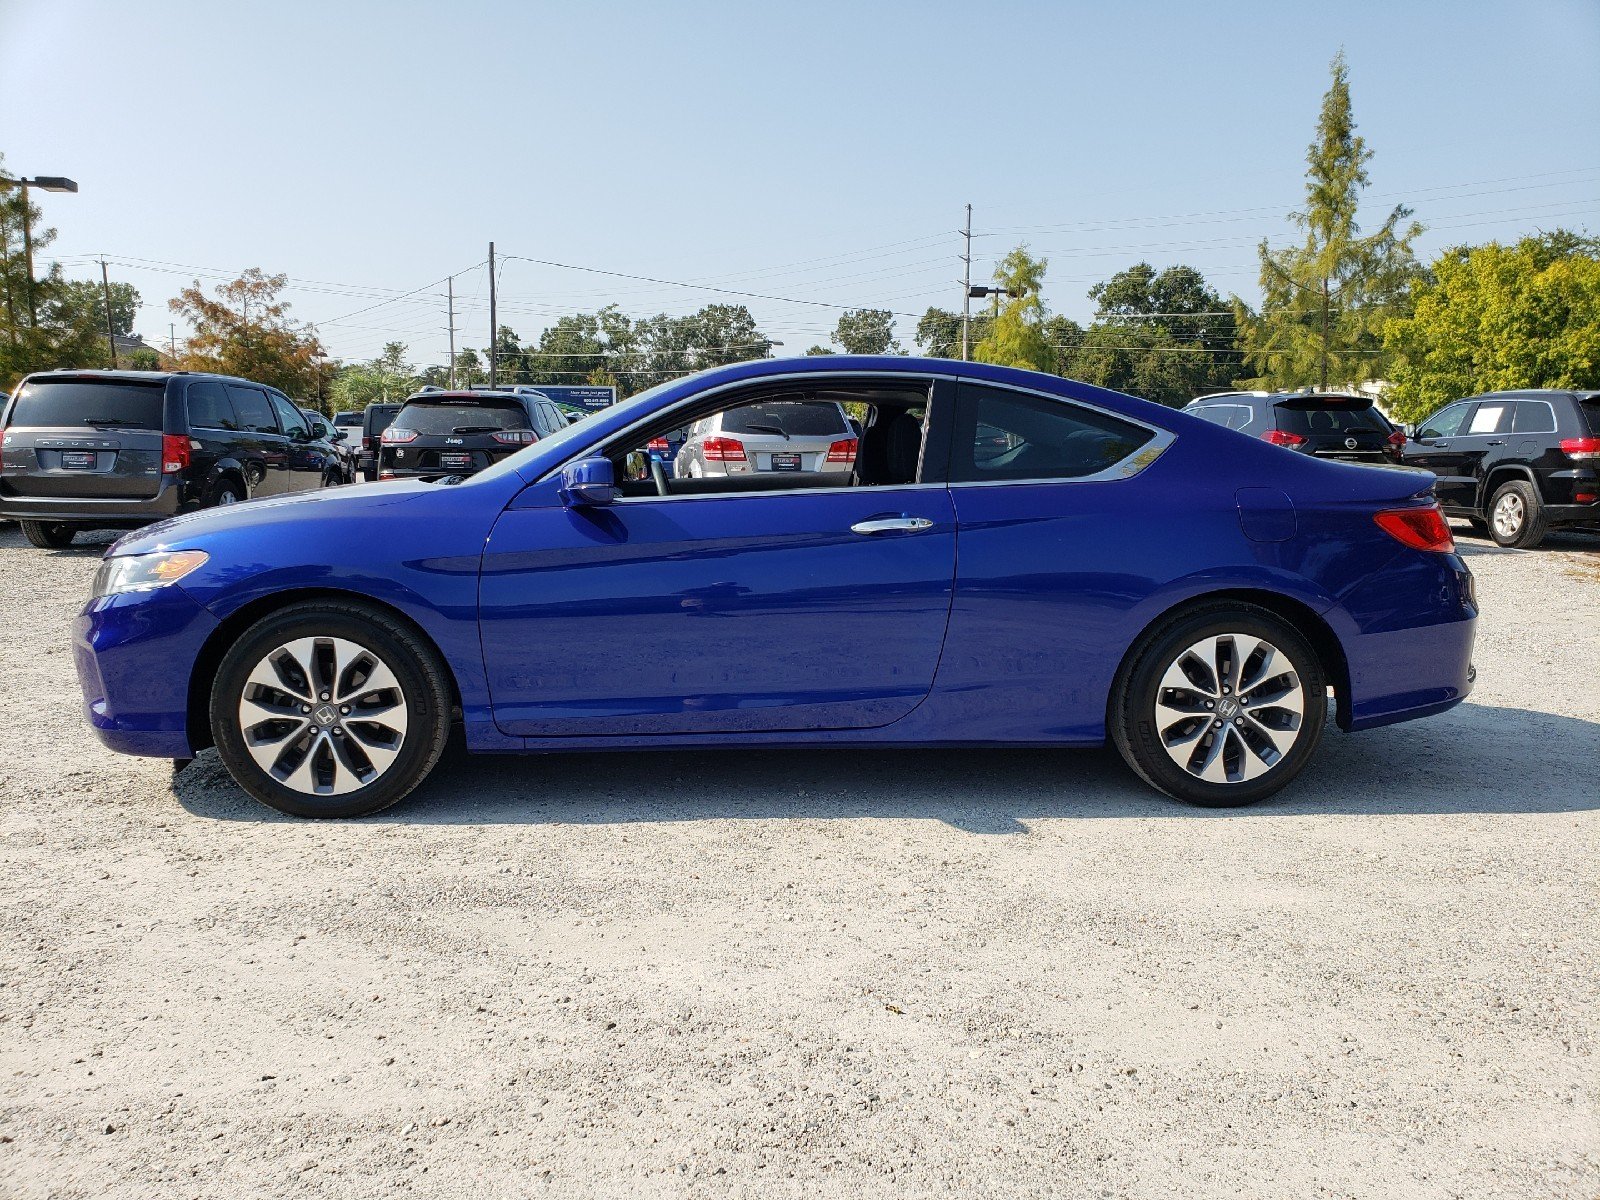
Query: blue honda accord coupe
(980, 556)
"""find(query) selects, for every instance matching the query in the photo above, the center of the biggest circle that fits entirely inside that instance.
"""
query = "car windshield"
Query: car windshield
(1330, 417)
(459, 416)
(113, 403)
(797, 418)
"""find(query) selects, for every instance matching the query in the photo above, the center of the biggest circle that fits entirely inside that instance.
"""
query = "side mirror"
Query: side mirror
(588, 482)
(318, 431)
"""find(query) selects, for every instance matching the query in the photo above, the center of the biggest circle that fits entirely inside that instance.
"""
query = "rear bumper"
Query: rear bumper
(95, 514)
(1407, 637)
(1573, 514)
(135, 655)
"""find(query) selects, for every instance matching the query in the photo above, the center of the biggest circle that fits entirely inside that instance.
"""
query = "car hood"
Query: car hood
(304, 509)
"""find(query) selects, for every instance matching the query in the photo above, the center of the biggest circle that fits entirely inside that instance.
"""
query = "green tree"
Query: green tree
(1498, 317)
(245, 330)
(1164, 336)
(1016, 336)
(388, 377)
(91, 295)
(1325, 301)
(866, 331)
(938, 332)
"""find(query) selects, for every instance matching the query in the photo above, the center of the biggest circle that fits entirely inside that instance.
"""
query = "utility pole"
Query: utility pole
(27, 250)
(966, 286)
(111, 337)
(172, 340)
(493, 328)
(450, 294)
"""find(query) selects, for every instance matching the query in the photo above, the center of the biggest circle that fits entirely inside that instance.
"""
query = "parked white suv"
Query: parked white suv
(771, 435)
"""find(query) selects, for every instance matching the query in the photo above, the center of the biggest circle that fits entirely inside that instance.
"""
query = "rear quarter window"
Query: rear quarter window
(1590, 408)
(67, 403)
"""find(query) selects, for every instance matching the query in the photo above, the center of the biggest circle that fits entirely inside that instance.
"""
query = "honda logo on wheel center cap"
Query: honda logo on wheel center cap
(325, 715)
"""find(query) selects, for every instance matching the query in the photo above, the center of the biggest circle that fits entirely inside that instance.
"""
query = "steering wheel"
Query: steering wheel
(659, 474)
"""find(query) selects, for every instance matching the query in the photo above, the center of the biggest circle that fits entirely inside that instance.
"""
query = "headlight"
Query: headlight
(143, 572)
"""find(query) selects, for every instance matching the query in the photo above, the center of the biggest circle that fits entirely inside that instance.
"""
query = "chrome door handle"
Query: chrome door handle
(892, 525)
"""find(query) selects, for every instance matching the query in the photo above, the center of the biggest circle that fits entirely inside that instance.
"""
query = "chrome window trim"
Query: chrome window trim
(1125, 468)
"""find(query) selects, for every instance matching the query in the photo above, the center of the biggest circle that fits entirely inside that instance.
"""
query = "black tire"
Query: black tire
(1480, 528)
(49, 535)
(332, 478)
(1527, 521)
(225, 491)
(1131, 714)
(416, 665)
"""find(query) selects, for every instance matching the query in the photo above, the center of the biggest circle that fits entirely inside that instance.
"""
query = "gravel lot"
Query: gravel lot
(1001, 974)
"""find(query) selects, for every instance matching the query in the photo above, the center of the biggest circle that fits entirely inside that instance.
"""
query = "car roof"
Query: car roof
(142, 376)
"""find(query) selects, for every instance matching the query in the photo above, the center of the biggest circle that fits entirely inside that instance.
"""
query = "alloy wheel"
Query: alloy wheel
(323, 716)
(1509, 514)
(1229, 708)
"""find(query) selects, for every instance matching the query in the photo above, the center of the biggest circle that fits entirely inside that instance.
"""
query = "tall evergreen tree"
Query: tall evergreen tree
(1017, 334)
(1324, 301)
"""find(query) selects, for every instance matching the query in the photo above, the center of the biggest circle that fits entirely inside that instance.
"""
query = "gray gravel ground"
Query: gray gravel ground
(846, 974)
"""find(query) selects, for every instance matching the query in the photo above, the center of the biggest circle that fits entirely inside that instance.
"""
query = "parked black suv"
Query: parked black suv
(375, 418)
(1515, 463)
(117, 449)
(1324, 424)
(458, 433)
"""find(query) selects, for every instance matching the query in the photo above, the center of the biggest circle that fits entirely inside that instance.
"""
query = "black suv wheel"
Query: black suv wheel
(49, 535)
(1516, 515)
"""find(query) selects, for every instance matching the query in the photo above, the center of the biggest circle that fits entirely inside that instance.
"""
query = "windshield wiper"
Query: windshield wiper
(475, 429)
(112, 423)
(777, 429)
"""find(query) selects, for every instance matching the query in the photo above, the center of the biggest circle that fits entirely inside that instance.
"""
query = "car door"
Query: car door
(308, 459)
(1439, 447)
(261, 443)
(809, 608)
(1055, 548)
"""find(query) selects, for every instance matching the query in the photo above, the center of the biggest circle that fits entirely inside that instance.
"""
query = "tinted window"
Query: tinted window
(290, 418)
(1311, 418)
(251, 407)
(1444, 424)
(346, 419)
(1533, 416)
(797, 418)
(110, 403)
(379, 417)
(1045, 439)
(209, 407)
(461, 417)
(1591, 412)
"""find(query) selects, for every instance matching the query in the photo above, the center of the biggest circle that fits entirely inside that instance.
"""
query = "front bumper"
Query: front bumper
(135, 654)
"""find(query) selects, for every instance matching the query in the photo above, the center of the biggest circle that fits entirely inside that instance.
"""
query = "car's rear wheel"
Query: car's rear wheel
(1517, 517)
(226, 491)
(1222, 706)
(49, 535)
(327, 709)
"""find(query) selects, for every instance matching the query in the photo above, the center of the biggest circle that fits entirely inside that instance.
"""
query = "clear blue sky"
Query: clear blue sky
(817, 151)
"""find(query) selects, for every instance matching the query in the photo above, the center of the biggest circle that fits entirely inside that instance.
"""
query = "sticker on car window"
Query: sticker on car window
(1486, 419)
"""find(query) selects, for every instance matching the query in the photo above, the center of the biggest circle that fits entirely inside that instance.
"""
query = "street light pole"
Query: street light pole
(966, 286)
(111, 336)
(47, 183)
(494, 331)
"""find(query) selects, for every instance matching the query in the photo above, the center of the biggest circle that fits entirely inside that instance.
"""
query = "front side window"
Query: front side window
(291, 418)
(251, 407)
(1044, 438)
(1445, 423)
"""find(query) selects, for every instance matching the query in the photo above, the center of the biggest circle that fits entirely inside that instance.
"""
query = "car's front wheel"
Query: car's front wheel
(328, 709)
(49, 535)
(1222, 706)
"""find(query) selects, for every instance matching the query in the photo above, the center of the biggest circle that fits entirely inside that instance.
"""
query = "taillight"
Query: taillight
(385, 474)
(1282, 437)
(658, 446)
(1584, 448)
(366, 444)
(1397, 439)
(514, 437)
(1419, 528)
(398, 437)
(176, 453)
(721, 449)
(844, 451)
